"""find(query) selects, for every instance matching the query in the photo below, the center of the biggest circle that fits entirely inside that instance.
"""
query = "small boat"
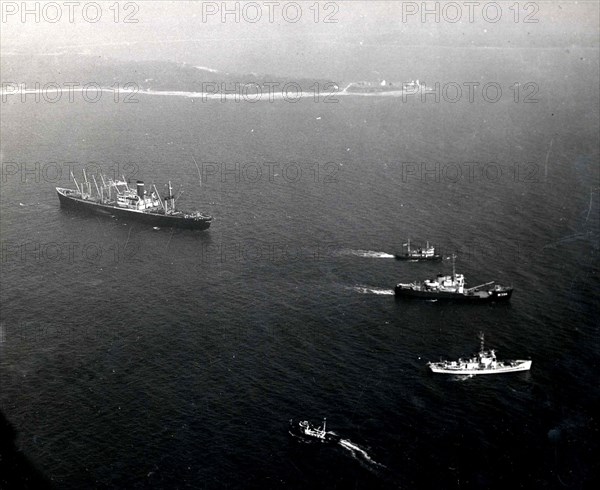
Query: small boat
(453, 288)
(484, 362)
(427, 253)
(308, 431)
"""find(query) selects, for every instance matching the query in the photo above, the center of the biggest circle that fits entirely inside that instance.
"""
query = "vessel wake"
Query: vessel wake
(461, 377)
(370, 290)
(367, 254)
(359, 453)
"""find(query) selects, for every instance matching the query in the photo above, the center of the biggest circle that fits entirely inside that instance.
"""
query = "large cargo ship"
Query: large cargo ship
(453, 288)
(117, 198)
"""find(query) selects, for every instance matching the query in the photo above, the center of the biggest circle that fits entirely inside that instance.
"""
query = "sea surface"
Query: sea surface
(134, 357)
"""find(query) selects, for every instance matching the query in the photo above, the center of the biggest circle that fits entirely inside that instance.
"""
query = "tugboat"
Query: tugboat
(453, 287)
(484, 362)
(116, 198)
(419, 254)
(308, 431)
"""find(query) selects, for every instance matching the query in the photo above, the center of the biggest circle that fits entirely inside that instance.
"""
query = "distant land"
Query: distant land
(165, 76)
(146, 75)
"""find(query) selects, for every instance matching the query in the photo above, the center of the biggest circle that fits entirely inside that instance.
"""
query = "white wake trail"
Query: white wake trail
(370, 290)
(358, 453)
(367, 254)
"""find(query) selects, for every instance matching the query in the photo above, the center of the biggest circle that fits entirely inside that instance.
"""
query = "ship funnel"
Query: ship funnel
(140, 189)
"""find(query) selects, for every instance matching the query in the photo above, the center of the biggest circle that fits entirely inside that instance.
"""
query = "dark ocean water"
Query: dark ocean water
(134, 357)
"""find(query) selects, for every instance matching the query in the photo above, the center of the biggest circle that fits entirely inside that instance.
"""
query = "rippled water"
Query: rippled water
(140, 357)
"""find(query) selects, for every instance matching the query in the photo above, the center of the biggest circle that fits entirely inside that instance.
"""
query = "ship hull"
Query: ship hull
(518, 366)
(476, 297)
(153, 219)
(418, 258)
